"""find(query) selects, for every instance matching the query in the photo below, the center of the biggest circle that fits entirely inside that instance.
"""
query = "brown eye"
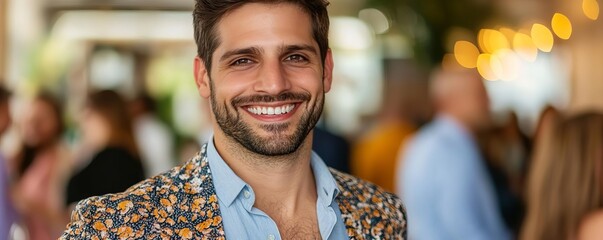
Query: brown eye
(296, 58)
(241, 62)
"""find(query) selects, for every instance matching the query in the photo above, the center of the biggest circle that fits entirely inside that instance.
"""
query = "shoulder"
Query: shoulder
(591, 226)
(113, 152)
(168, 205)
(101, 217)
(365, 200)
(110, 158)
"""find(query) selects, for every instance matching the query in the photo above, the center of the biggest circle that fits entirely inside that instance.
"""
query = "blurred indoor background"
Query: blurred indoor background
(532, 55)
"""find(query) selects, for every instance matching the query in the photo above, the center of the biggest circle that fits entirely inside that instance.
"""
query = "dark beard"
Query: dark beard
(279, 144)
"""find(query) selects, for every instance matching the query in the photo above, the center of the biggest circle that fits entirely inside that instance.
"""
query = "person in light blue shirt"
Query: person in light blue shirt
(8, 213)
(441, 176)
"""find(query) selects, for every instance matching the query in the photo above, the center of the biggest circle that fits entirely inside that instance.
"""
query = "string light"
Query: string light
(591, 9)
(562, 27)
(502, 50)
(466, 54)
(484, 67)
(525, 47)
(542, 37)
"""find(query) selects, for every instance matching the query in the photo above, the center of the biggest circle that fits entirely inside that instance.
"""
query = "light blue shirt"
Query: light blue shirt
(242, 221)
(8, 215)
(446, 187)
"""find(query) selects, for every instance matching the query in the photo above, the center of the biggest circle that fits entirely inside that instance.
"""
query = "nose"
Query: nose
(272, 78)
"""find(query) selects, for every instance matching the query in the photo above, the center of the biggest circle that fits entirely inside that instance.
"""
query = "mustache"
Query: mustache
(286, 96)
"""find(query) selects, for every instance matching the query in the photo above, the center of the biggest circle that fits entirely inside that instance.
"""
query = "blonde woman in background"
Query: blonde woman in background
(565, 182)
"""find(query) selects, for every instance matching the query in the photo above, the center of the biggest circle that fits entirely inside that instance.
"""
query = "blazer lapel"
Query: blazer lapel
(203, 201)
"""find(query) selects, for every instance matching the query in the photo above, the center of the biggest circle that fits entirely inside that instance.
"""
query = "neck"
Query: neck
(286, 179)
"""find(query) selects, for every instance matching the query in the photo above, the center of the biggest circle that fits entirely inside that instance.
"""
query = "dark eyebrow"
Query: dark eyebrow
(241, 51)
(303, 47)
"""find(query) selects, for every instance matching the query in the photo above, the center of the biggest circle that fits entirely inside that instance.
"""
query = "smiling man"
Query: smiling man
(265, 67)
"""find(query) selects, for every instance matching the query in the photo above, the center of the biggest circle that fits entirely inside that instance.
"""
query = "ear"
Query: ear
(201, 77)
(328, 71)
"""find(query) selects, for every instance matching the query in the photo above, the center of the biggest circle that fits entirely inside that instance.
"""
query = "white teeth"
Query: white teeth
(271, 110)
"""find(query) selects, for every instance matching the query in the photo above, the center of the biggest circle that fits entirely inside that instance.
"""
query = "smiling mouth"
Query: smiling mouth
(271, 110)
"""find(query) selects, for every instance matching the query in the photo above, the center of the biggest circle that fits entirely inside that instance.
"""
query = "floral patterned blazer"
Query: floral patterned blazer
(182, 204)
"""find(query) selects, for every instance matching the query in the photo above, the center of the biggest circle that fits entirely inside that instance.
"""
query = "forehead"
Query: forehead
(264, 25)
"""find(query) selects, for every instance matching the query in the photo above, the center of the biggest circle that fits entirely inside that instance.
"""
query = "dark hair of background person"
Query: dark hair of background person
(28, 153)
(567, 186)
(4, 94)
(112, 107)
(5, 118)
(208, 13)
(146, 101)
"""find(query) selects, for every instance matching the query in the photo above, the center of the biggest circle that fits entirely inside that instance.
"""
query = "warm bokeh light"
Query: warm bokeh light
(491, 40)
(591, 9)
(562, 27)
(466, 54)
(497, 67)
(509, 33)
(525, 47)
(542, 37)
(505, 64)
(484, 67)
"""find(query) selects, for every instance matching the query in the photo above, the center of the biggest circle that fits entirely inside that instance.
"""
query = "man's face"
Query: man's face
(267, 82)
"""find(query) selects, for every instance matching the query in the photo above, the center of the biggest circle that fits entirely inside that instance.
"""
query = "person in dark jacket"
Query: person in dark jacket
(107, 132)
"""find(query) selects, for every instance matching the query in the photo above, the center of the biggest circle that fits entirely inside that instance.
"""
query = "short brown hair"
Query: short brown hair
(208, 13)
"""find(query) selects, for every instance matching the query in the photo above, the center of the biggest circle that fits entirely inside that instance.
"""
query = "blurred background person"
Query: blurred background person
(153, 137)
(8, 214)
(40, 168)
(375, 153)
(444, 180)
(567, 184)
(506, 151)
(114, 163)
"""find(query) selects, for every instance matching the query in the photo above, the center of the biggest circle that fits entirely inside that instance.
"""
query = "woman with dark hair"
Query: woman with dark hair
(39, 169)
(107, 132)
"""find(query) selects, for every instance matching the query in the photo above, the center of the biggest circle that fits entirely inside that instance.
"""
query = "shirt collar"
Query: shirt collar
(228, 185)
(326, 186)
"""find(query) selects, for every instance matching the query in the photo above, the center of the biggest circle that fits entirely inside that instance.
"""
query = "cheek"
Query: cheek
(305, 80)
(232, 85)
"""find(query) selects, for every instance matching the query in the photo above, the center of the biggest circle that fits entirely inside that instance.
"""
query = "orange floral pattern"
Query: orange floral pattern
(182, 204)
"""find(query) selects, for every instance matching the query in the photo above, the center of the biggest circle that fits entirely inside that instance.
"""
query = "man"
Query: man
(443, 179)
(265, 67)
